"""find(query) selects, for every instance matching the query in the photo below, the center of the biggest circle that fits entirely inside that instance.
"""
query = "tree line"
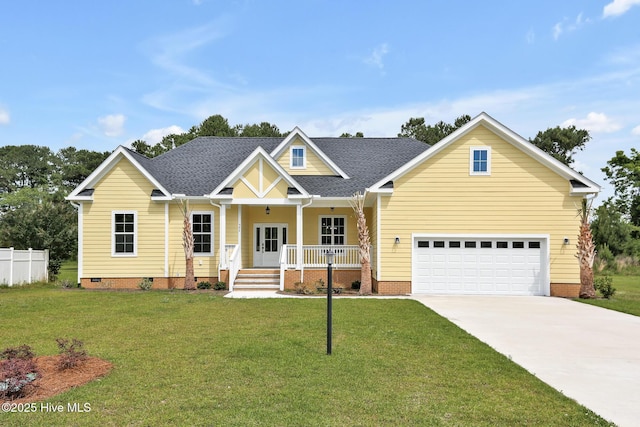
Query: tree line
(34, 181)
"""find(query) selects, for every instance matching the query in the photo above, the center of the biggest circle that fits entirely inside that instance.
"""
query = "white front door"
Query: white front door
(268, 240)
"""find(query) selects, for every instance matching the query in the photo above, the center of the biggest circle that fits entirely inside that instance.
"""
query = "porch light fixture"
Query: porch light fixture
(397, 240)
(330, 255)
(268, 210)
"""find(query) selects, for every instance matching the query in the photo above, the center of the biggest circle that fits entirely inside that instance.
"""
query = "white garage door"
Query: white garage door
(489, 266)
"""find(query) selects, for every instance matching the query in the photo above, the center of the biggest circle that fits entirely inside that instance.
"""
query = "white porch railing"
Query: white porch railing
(233, 263)
(314, 256)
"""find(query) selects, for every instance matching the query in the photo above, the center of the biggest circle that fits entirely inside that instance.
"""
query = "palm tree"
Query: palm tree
(586, 252)
(187, 244)
(364, 243)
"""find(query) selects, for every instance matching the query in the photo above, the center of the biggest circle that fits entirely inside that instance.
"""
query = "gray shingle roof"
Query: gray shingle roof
(199, 166)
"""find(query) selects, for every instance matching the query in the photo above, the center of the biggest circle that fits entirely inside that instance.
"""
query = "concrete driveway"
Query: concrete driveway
(588, 353)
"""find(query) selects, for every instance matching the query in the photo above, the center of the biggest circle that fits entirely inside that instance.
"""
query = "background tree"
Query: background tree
(431, 134)
(74, 165)
(348, 135)
(38, 223)
(611, 230)
(25, 166)
(624, 173)
(562, 143)
(265, 129)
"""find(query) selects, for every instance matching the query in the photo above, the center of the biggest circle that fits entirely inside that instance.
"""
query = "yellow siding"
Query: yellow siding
(204, 265)
(311, 229)
(123, 188)
(315, 165)
(150, 260)
(520, 197)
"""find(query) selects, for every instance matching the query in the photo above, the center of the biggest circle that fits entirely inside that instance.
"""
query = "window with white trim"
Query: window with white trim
(298, 157)
(202, 229)
(480, 161)
(333, 230)
(125, 228)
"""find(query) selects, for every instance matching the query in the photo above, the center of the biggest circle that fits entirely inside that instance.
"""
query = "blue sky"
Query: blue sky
(99, 74)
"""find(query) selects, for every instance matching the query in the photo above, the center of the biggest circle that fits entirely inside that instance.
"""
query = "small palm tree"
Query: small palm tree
(187, 244)
(364, 243)
(586, 252)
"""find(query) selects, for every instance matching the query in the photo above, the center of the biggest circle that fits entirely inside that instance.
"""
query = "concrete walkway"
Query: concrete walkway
(588, 353)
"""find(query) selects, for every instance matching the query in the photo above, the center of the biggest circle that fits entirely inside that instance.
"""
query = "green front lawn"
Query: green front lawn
(199, 359)
(627, 296)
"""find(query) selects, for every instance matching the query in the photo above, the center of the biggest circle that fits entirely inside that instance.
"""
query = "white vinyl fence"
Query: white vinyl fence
(18, 267)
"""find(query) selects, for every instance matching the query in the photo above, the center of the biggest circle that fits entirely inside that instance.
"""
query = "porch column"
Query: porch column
(299, 254)
(223, 237)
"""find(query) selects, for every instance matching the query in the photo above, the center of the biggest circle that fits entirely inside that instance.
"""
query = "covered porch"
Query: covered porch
(286, 244)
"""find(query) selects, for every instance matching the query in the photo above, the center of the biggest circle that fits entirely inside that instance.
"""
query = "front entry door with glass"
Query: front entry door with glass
(268, 240)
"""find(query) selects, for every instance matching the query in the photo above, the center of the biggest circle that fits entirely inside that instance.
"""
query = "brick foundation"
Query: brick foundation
(391, 287)
(567, 290)
(342, 278)
(132, 282)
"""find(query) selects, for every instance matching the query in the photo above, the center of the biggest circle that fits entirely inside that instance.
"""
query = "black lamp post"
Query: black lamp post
(329, 254)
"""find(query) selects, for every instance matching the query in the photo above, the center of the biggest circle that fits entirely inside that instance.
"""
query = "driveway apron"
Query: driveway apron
(588, 353)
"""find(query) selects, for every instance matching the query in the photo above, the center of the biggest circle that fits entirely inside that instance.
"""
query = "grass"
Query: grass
(198, 359)
(68, 271)
(627, 296)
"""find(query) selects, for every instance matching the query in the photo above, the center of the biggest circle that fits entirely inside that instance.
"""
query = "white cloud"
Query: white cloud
(636, 130)
(112, 125)
(155, 135)
(377, 56)
(568, 26)
(4, 117)
(618, 7)
(531, 36)
(594, 122)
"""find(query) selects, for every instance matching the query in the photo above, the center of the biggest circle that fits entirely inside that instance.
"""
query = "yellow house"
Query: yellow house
(481, 212)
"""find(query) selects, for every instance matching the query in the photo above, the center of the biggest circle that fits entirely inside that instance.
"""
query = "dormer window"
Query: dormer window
(298, 157)
(480, 161)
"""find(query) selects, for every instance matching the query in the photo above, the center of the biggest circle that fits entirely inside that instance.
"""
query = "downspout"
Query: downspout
(223, 251)
(78, 207)
(299, 250)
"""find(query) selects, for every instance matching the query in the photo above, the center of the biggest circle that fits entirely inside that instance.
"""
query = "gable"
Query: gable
(261, 181)
(118, 159)
(317, 164)
(258, 176)
(314, 165)
(484, 131)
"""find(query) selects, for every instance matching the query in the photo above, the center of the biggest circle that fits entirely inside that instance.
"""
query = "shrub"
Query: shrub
(18, 370)
(604, 285)
(67, 284)
(54, 266)
(304, 288)
(355, 284)
(145, 284)
(71, 353)
(203, 285)
(219, 286)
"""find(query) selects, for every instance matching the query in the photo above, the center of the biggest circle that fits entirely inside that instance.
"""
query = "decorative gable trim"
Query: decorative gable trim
(277, 152)
(81, 192)
(261, 156)
(588, 186)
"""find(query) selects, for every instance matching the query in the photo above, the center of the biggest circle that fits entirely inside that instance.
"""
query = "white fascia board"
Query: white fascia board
(106, 166)
(244, 166)
(309, 143)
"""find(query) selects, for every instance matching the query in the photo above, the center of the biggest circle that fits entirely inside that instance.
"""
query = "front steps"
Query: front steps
(257, 279)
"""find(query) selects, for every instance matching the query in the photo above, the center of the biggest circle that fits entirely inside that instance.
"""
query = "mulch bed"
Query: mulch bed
(53, 381)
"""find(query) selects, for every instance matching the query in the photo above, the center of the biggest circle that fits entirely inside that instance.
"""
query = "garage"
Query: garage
(480, 265)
